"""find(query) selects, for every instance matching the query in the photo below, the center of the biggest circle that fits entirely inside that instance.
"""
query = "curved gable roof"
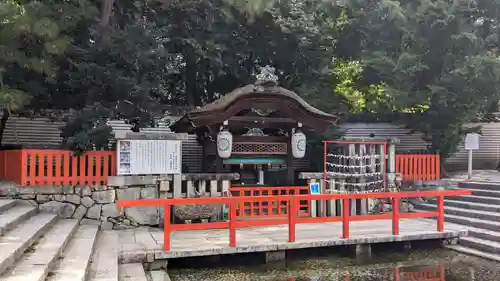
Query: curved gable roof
(254, 95)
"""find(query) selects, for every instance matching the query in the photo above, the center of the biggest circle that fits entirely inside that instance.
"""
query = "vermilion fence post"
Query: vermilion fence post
(346, 209)
(292, 214)
(397, 274)
(395, 216)
(440, 210)
(166, 227)
(232, 223)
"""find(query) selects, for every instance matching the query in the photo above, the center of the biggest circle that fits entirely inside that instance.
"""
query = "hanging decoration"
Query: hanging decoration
(298, 143)
(356, 172)
(224, 143)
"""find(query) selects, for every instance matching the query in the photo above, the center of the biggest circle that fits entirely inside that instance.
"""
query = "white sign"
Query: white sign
(149, 157)
(314, 188)
(472, 141)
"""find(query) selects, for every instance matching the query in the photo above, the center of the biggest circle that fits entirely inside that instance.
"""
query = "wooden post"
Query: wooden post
(232, 224)
(345, 218)
(190, 191)
(362, 179)
(383, 154)
(395, 216)
(166, 228)
(332, 204)
(352, 162)
(341, 190)
(289, 162)
(440, 209)
(292, 215)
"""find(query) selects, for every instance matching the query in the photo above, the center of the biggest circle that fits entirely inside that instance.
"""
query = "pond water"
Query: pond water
(416, 265)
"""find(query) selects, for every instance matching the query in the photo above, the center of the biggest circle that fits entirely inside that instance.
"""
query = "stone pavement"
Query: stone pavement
(145, 244)
(477, 176)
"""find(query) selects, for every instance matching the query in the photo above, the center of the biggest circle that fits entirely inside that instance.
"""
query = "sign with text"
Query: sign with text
(472, 141)
(314, 188)
(149, 157)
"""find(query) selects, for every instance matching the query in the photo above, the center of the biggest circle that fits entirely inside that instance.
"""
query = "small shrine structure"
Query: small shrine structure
(253, 128)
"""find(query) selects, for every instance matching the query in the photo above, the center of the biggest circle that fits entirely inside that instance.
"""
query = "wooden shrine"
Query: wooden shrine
(255, 127)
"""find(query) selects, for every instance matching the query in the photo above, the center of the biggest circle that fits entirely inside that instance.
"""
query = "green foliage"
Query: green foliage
(435, 61)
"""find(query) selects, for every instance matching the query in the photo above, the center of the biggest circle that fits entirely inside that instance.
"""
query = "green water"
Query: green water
(417, 265)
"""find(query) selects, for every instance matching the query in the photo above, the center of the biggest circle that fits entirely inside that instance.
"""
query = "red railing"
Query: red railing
(292, 219)
(260, 210)
(438, 274)
(418, 166)
(56, 167)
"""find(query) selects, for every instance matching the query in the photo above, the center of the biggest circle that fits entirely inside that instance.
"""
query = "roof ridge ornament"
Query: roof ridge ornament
(267, 74)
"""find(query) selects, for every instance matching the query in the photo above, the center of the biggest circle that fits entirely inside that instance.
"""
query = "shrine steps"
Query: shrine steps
(479, 213)
(42, 247)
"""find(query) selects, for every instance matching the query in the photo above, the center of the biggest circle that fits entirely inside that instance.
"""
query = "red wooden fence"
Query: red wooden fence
(61, 167)
(56, 167)
(418, 166)
(258, 210)
(292, 219)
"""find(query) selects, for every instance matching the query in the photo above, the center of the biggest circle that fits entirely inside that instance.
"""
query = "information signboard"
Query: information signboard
(149, 157)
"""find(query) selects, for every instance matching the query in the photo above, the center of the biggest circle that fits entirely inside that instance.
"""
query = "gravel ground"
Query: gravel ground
(380, 268)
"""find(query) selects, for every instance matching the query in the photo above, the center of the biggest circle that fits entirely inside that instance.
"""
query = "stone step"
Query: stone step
(105, 260)
(480, 244)
(158, 275)
(132, 272)
(6, 204)
(480, 185)
(472, 222)
(474, 252)
(478, 199)
(15, 242)
(76, 257)
(12, 217)
(485, 193)
(470, 205)
(35, 265)
(484, 215)
(484, 234)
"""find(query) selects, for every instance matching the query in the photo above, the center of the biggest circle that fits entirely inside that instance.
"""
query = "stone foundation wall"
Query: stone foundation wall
(90, 204)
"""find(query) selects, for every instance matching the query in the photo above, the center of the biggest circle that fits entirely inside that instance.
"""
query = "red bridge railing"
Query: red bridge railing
(293, 218)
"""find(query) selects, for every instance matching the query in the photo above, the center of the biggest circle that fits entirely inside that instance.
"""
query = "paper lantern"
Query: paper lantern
(298, 144)
(224, 144)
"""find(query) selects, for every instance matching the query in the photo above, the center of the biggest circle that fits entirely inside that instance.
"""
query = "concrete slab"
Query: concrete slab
(76, 257)
(274, 238)
(159, 275)
(35, 265)
(14, 243)
(132, 272)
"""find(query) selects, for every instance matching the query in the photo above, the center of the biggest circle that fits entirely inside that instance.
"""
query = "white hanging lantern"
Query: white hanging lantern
(224, 144)
(298, 144)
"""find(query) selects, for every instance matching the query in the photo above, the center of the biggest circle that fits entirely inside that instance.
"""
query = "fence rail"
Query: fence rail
(418, 166)
(257, 210)
(56, 167)
(292, 218)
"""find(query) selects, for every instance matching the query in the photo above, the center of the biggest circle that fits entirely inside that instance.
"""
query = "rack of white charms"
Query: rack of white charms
(355, 167)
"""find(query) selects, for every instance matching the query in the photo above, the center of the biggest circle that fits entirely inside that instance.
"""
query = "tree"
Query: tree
(435, 60)
(33, 37)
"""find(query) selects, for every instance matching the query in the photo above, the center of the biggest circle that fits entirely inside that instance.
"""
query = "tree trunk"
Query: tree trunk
(192, 87)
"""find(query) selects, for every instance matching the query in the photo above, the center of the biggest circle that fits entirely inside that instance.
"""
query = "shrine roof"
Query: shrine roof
(265, 93)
